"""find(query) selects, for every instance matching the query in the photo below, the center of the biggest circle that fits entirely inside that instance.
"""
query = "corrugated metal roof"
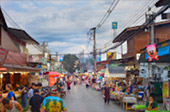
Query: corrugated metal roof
(128, 32)
(21, 34)
(2, 19)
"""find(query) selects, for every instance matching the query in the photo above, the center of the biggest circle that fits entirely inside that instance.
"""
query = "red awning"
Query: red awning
(52, 73)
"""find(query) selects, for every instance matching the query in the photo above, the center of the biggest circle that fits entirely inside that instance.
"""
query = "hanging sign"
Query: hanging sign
(111, 55)
(166, 89)
(152, 52)
(114, 25)
(143, 70)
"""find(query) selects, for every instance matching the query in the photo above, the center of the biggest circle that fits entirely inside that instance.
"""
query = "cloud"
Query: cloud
(64, 24)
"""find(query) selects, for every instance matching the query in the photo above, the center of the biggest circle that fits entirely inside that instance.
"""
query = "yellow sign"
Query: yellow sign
(111, 55)
(166, 89)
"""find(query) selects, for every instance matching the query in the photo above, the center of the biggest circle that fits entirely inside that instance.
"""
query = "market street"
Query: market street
(81, 99)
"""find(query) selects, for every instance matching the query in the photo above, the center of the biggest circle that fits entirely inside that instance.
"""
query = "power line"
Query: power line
(107, 14)
(140, 27)
(14, 23)
(137, 16)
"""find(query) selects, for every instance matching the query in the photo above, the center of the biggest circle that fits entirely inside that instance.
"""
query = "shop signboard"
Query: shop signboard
(114, 25)
(152, 52)
(111, 55)
(166, 89)
(143, 70)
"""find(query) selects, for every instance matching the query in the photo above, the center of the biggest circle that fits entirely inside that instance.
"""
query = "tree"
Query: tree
(71, 62)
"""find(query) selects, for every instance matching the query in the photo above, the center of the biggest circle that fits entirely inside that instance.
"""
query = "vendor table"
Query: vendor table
(157, 111)
(127, 100)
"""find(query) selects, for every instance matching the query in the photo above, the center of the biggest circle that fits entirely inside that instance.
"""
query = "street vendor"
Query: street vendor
(106, 93)
(59, 87)
(151, 104)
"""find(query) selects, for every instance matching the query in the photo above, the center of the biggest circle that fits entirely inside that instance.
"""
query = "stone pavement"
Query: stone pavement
(81, 99)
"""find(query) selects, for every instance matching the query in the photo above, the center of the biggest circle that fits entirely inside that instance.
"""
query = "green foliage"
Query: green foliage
(69, 62)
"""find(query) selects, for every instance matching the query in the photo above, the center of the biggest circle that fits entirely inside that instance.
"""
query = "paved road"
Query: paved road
(81, 99)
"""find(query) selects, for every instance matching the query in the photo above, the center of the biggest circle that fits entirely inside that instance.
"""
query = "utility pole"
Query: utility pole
(94, 48)
(150, 17)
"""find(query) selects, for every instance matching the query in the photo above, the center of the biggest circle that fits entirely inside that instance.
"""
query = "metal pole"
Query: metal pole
(152, 37)
(152, 31)
(94, 48)
(83, 61)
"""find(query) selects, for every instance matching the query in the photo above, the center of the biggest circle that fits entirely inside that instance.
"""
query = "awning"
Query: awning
(118, 75)
(53, 73)
(18, 68)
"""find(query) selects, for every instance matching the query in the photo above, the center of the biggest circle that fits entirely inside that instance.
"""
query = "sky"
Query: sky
(64, 24)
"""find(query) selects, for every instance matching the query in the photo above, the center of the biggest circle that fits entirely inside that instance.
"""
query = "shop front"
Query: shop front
(14, 74)
(156, 69)
(14, 69)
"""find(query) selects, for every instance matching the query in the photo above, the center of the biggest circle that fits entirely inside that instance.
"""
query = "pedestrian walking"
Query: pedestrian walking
(106, 93)
(87, 83)
(53, 103)
(10, 94)
(68, 85)
(31, 91)
(35, 101)
(11, 106)
(21, 89)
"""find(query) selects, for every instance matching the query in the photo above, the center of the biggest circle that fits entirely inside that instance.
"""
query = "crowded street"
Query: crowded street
(81, 99)
(84, 55)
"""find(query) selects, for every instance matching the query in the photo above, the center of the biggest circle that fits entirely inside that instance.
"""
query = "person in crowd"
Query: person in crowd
(35, 101)
(21, 89)
(39, 87)
(94, 82)
(123, 85)
(53, 103)
(75, 80)
(4, 85)
(11, 106)
(59, 87)
(151, 88)
(31, 91)
(1, 98)
(68, 85)
(87, 83)
(106, 93)
(131, 87)
(10, 94)
(151, 104)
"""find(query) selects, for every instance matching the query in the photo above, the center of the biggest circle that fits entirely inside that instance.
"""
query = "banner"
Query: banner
(143, 70)
(111, 55)
(152, 52)
(166, 89)
(3, 55)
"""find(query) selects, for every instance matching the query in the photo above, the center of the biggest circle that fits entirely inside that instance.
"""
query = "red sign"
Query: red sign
(152, 52)
(3, 69)
(3, 55)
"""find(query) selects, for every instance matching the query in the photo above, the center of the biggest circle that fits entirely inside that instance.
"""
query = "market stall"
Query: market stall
(52, 76)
